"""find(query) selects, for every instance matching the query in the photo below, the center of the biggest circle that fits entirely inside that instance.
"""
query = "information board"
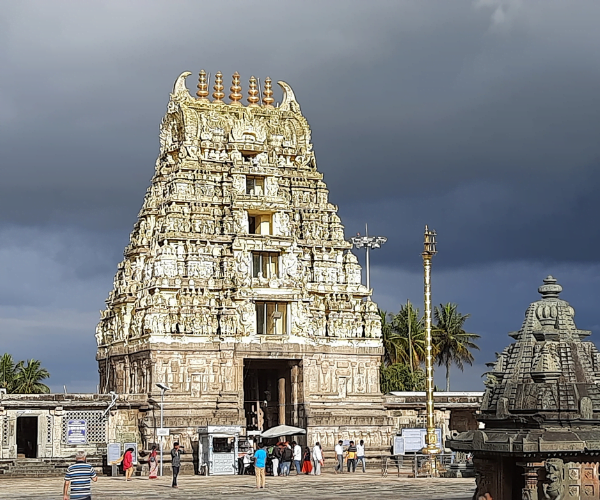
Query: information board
(222, 464)
(113, 452)
(414, 439)
(76, 432)
(126, 446)
(398, 445)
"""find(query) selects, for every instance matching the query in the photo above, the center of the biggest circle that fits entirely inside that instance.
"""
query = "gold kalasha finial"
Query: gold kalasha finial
(202, 87)
(253, 93)
(268, 94)
(236, 90)
(218, 93)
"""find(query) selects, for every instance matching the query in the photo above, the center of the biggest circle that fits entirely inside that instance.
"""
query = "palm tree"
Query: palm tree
(7, 372)
(29, 378)
(409, 327)
(452, 343)
(390, 339)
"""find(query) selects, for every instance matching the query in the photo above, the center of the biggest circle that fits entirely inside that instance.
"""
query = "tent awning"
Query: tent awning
(282, 430)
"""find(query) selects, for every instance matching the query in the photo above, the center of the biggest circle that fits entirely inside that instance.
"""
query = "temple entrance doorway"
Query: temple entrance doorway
(273, 393)
(27, 437)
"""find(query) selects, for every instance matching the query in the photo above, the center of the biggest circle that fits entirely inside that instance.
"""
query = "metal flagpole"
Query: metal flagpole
(429, 250)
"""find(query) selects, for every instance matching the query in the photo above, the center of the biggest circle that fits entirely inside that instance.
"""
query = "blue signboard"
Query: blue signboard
(76, 432)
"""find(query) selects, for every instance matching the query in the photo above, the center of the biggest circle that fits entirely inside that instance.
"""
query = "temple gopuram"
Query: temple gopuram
(541, 411)
(237, 289)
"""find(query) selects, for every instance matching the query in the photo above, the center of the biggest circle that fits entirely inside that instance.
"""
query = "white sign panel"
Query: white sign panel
(414, 439)
(76, 432)
(223, 464)
(113, 452)
(162, 432)
(398, 445)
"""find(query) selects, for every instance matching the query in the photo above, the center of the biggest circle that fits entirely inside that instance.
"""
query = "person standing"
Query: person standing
(306, 462)
(317, 457)
(286, 459)
(175, 462)
(360, 454)
(79, 477)
(351, 457)
(297, 451)
(153, 464)
(127, 460)
(339, 453)
(275, 458)
(260, 460)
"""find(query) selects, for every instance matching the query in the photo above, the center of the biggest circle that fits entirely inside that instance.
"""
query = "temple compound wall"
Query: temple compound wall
(237, 288)
(37, 425)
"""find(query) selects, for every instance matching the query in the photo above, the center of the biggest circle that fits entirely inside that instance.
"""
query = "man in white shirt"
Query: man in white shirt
(297, 449)
(360, 454)
(339, 453)
(317, 458)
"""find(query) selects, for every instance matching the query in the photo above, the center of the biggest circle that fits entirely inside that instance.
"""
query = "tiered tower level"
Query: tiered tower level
(238, 289)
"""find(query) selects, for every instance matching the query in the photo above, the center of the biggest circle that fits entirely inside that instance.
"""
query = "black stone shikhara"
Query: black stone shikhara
(541, 410)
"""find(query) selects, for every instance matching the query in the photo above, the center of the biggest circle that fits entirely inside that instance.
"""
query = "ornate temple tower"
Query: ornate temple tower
(238, 289)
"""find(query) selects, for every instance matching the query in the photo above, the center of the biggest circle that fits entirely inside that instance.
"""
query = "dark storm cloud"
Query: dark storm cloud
(479, 118)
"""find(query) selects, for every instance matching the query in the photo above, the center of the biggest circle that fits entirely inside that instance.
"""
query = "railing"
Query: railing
(415, 465)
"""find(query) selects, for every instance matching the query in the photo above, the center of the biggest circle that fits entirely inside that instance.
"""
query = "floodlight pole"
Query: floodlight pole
(429, 250)
(367, 242)
(162, 388)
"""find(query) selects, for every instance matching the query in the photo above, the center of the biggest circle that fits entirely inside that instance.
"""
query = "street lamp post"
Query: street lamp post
(429, 250)
(367, 242)
(162, 388)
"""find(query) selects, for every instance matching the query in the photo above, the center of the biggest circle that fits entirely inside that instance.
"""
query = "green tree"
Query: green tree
(410, 330)
(399, 377)
(7, 372)
(29, 378)
(452, 344)
(392, 342)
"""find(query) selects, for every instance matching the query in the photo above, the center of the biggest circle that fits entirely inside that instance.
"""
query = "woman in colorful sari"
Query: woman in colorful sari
(153, 463)
(306, 463)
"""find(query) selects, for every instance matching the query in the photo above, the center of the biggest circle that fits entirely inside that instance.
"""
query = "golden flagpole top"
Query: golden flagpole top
(218, 93)
(236, 90)
(268, 94)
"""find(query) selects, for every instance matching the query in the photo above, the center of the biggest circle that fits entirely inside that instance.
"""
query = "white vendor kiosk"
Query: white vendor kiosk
(218, 448)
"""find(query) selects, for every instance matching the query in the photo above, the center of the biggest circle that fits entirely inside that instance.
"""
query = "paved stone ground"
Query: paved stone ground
(369, 486)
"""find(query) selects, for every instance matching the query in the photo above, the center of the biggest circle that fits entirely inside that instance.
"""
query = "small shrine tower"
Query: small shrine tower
(541, 411)
(238, 289)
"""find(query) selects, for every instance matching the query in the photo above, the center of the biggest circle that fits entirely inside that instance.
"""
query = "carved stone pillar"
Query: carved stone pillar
(530, 491)
(282, 401)
(294, 395)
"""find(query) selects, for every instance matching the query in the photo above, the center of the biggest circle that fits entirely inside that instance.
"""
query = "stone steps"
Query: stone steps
(37, 467)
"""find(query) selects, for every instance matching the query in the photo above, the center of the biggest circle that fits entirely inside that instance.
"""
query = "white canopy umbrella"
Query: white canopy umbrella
(282, 430)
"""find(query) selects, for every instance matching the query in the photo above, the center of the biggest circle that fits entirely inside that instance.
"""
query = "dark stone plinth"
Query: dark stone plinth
(541, 411)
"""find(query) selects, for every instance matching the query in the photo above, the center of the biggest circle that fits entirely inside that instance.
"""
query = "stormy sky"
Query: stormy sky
(479, 118)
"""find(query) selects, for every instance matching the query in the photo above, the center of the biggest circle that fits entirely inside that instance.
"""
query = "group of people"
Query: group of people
(79, 476)
(282, 455)
(127, 462)
(280, 458)
(353, 454)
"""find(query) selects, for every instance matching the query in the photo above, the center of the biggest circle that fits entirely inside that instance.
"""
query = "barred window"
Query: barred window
(49, 429)
(5, 431)
(96, 425)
